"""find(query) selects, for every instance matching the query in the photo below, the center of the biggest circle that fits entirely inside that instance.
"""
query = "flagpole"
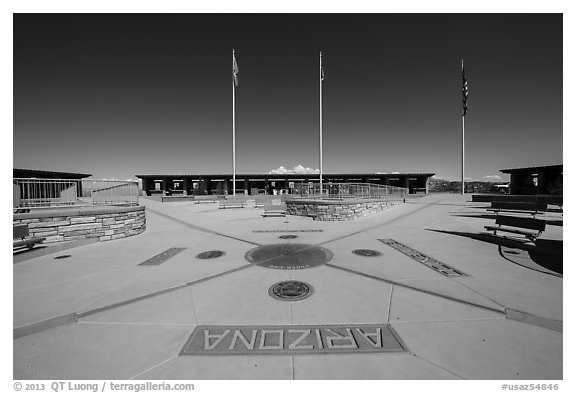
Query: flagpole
(321, 123)
(463, 150)
(233, 130)
(463, 185)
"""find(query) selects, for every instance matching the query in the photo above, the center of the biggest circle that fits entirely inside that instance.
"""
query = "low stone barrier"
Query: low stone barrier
(337, 210)
(105, 223)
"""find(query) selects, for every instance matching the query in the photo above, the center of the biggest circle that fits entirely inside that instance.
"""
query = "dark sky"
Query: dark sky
(122, 94)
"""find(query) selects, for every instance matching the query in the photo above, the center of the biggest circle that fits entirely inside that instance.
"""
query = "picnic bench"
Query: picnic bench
(528, 227)
(22, 239)
(274, 210)
(232, 205)
(533, 208)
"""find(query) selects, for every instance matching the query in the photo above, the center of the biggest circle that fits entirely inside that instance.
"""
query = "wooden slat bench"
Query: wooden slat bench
(518, 207)
(21, 238)
(274, 210)
(232, 205)
(206, 199)
(518, 226)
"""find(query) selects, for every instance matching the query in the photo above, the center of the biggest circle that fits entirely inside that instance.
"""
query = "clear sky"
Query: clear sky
(125, 94)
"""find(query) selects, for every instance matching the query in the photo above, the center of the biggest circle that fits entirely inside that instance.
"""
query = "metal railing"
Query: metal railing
(37, 193)
(347, 190)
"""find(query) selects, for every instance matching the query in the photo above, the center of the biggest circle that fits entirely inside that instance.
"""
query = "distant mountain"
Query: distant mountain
(481, 187)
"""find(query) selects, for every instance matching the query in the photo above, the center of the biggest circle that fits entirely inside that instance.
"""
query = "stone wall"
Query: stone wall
(338, 210)
(108, 223)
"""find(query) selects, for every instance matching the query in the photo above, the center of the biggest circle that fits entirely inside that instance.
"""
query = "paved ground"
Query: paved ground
(501, 320)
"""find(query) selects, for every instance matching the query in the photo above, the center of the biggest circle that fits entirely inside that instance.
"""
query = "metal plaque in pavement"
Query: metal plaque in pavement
(292, 340)
(424, 259)
(162, 257)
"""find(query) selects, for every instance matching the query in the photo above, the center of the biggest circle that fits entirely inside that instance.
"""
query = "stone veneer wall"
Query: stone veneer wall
(106, 223)
(337, 210)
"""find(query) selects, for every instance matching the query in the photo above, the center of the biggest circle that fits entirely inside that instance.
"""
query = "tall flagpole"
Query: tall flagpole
(464, 109)
(463, 185)
(233, 124)
(321, 78)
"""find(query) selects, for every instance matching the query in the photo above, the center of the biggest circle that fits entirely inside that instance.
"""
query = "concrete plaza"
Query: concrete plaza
(98, 314)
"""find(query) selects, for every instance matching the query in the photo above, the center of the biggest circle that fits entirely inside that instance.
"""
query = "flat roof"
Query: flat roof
(298, 175)
(42, 174)
(532, 168)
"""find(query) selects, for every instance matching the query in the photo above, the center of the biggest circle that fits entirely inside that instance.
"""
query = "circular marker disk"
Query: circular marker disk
(288, 256)
(290, 290)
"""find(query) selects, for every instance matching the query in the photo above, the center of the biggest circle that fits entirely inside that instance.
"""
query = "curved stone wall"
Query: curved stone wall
(105, 223)
(337, 210)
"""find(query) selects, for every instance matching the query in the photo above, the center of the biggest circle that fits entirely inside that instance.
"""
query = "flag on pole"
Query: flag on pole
(321, 69)
(464, 91)
(235, 70)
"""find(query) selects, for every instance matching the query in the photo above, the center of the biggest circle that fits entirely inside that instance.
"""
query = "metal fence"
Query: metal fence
(36, 193)
(347, 190)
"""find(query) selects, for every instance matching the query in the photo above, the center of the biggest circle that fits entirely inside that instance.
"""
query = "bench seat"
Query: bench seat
(528, 227)
(272, 210)
(21, 239)
(232, 205)
(30, 242)
(532, 208)
(274, 213)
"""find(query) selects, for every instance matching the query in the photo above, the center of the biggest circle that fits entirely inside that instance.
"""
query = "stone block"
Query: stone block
(82, 220)
(78, 227)
(76, 237)
(44, 233)
(53, 239)
(48, 224)
(82, 232)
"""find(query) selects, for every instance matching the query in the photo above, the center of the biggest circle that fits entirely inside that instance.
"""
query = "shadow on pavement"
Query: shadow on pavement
(544, 253)
(485, 216)
(493, 217)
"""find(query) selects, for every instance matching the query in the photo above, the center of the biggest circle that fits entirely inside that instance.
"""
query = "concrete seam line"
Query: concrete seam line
(153, 367)
(438, 366)
(534, 320)
(84, 314)
(377, 225)
(192, 226)
(418, 289)
(39, 326)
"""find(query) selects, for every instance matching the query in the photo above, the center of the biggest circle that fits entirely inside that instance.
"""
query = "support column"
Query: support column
(186, 186)
(542, 183)
(165, 186)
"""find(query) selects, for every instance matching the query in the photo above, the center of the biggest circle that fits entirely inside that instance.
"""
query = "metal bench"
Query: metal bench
(21, 238)
(518, 207)
(518, 226)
